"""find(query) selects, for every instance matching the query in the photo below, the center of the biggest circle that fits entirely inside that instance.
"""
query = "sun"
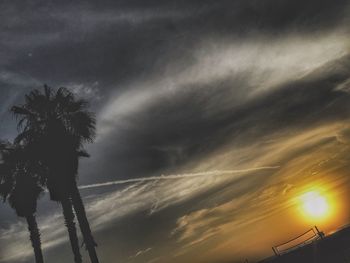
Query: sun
(315, 205)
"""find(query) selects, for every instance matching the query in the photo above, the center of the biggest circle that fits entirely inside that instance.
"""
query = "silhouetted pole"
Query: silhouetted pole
(275, 251)
(320, 233)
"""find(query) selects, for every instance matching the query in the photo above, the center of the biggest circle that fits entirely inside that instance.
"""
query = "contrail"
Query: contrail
(178, 176)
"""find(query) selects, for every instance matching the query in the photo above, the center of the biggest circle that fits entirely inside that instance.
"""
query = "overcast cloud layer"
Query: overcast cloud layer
(211, 114)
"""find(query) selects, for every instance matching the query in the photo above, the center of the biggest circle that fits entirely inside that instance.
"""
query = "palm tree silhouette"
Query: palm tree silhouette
(19, 185)
(57, 125)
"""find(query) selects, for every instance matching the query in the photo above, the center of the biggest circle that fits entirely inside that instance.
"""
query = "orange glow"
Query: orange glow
(317, 205)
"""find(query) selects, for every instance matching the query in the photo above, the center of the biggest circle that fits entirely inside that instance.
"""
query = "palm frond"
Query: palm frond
(48, 92)
(20, 110)
(83, 153)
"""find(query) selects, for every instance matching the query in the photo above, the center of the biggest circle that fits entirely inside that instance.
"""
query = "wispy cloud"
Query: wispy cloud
(142, 194)
(141, 252)
(258, 64)
(178, 176)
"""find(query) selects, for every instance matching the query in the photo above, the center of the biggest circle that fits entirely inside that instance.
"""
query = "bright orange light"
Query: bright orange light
(315, 205)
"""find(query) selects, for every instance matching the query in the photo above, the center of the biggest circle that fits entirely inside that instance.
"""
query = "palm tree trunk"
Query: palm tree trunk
(84, 224)
(72, 231)
(35, 238)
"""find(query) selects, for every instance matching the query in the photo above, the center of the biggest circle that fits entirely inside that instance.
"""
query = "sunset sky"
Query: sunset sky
(213, 119)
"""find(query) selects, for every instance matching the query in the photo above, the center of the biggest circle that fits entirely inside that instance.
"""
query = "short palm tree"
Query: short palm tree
(20, 187)
(57, 125)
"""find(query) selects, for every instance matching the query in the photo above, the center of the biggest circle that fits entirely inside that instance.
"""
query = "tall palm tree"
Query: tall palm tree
(58, 125)
(20, 187)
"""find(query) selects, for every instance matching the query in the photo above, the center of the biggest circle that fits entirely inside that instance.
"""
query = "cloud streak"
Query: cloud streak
(179, 176)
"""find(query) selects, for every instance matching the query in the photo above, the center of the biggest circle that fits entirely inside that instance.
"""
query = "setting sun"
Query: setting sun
(315, 205)
(318, 205)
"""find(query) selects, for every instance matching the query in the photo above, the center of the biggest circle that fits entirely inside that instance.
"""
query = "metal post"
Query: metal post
(320, 234)
(318, 231)
(275, 251)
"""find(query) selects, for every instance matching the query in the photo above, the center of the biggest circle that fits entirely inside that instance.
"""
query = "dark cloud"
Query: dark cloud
(183, 127)
(119, 41)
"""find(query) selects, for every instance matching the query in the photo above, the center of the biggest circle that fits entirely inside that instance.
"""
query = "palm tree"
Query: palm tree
(58, 125)
(20, 187)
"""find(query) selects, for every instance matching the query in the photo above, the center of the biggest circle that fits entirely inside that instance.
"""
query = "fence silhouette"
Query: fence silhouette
(307, 237)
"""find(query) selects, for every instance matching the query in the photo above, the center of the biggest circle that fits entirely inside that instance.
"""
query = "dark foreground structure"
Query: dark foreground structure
(334, 248)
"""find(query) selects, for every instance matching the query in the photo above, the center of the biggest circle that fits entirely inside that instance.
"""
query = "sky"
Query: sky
(212, 117)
